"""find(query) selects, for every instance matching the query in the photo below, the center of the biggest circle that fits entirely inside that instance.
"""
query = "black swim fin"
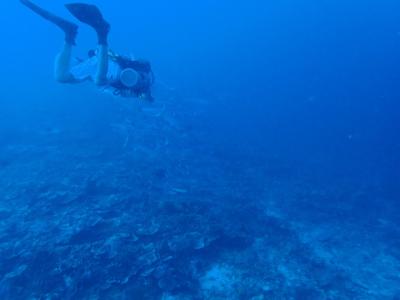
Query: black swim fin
(70, 29)
(90, 15)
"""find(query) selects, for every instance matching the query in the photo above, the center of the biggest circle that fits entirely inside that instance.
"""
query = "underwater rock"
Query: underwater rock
(90, 234)
(112, 246)
(186, 242)
(161, 271)
(148, 229)
(220, 282)
(145, 261)
(16, 272)
(168, 283)
(94, 187)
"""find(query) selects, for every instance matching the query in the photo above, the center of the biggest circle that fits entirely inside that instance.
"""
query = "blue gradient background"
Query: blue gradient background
(303, 91)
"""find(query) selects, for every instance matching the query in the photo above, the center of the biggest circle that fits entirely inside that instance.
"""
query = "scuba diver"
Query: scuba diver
(121, 75)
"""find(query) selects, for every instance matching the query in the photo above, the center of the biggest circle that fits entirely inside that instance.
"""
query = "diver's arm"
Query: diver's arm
(102, 67)
(62, 63)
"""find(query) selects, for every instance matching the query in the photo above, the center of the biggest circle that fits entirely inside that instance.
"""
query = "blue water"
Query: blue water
(266, 168)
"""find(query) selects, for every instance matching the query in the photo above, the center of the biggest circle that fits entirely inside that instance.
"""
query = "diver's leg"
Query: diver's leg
(62, 65)
(92, 16)
(102, 55)
(102, 66)
(70, 29)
